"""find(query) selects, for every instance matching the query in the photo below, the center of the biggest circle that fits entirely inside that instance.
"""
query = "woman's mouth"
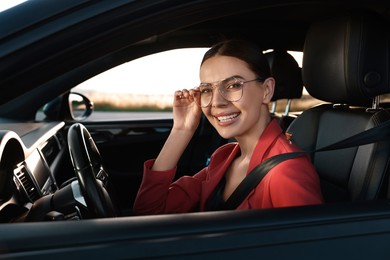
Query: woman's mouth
(227, 118)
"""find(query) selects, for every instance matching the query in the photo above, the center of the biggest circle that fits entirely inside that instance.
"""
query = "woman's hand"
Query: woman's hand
(186, 113)
(186, 117)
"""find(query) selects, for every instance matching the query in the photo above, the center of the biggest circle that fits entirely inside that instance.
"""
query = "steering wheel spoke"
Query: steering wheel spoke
(93, 179)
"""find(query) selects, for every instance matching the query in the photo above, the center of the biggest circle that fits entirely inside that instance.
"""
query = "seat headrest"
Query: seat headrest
(346, 59)
(287, 74)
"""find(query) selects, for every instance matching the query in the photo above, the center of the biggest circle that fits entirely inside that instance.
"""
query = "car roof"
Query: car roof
(51, 46)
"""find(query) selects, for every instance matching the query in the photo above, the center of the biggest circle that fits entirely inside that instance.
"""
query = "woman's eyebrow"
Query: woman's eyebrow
(228, 78)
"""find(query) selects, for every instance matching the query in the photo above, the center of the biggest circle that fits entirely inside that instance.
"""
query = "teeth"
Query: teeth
(227, 118)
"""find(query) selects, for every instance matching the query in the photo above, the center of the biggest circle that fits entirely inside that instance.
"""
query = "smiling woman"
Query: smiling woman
(237, 114)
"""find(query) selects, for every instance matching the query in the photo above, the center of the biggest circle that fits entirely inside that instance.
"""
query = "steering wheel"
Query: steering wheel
(88, 166)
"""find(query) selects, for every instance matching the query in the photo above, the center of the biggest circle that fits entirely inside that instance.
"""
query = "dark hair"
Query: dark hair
(243, 50)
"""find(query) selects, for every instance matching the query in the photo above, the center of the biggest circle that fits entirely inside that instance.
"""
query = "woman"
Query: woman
(234, 95)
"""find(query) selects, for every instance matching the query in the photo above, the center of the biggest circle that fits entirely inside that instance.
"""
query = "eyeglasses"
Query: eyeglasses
(231, 89)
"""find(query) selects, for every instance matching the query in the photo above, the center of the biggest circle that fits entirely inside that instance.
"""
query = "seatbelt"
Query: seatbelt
(375, 134)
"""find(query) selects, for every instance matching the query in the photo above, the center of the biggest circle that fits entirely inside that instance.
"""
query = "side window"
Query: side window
(143, 87)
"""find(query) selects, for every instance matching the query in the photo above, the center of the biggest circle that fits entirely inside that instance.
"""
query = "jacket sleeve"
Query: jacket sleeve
(158, 195)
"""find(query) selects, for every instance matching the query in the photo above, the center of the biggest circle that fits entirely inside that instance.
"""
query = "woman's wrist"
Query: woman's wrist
(182, 131)
(173, 148)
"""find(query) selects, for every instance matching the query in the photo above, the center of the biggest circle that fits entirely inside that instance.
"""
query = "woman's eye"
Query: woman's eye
(233, 86)
(205, 90)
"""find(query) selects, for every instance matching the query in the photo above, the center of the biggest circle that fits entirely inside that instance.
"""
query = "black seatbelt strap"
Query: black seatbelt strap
(252, 179)
(372, 135)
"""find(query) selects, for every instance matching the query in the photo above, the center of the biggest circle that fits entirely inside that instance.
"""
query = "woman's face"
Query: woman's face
(245, 116)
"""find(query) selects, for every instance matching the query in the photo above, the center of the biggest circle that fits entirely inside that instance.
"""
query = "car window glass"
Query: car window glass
(143, 88)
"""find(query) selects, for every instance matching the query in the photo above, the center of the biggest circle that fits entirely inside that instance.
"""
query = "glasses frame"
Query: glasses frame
(218, 86)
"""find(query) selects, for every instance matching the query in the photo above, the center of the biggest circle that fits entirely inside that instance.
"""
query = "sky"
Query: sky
(157, 74)
(5, 4)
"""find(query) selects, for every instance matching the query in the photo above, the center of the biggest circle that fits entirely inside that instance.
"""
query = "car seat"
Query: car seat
(288, 83)
(346, 63)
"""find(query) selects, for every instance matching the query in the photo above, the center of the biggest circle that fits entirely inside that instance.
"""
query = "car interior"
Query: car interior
(340, 67)
(62, 170)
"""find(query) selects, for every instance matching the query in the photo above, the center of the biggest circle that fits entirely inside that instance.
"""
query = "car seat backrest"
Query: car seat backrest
(345, 63)
(288, 86)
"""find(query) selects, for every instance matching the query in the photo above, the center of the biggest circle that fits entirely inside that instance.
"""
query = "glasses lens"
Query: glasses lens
(204, 95)
(201, 100)
(197, 97)
(231, 89)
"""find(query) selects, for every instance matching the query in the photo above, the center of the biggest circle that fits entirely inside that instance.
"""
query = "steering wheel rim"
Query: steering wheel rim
(87, 164)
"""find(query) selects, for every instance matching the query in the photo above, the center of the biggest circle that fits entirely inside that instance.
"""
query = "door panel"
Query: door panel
(337, 231)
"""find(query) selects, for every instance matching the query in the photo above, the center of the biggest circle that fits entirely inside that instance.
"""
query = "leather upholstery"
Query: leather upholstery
(338, 64)
(288, 81)
(287, 73)
(346, 59)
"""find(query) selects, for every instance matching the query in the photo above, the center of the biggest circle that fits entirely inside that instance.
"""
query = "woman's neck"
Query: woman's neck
(249, 140)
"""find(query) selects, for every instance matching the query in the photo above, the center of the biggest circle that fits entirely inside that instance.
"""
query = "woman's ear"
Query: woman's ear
(269, 87)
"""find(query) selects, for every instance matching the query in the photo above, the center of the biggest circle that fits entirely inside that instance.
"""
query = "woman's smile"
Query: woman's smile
(227, 119)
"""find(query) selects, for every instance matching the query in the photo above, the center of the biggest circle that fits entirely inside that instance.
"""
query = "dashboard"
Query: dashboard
(31, 158)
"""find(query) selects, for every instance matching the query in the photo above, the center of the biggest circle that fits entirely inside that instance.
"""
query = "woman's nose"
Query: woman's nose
(217, 99)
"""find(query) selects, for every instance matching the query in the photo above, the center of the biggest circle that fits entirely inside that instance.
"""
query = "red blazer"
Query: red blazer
(293, 182)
